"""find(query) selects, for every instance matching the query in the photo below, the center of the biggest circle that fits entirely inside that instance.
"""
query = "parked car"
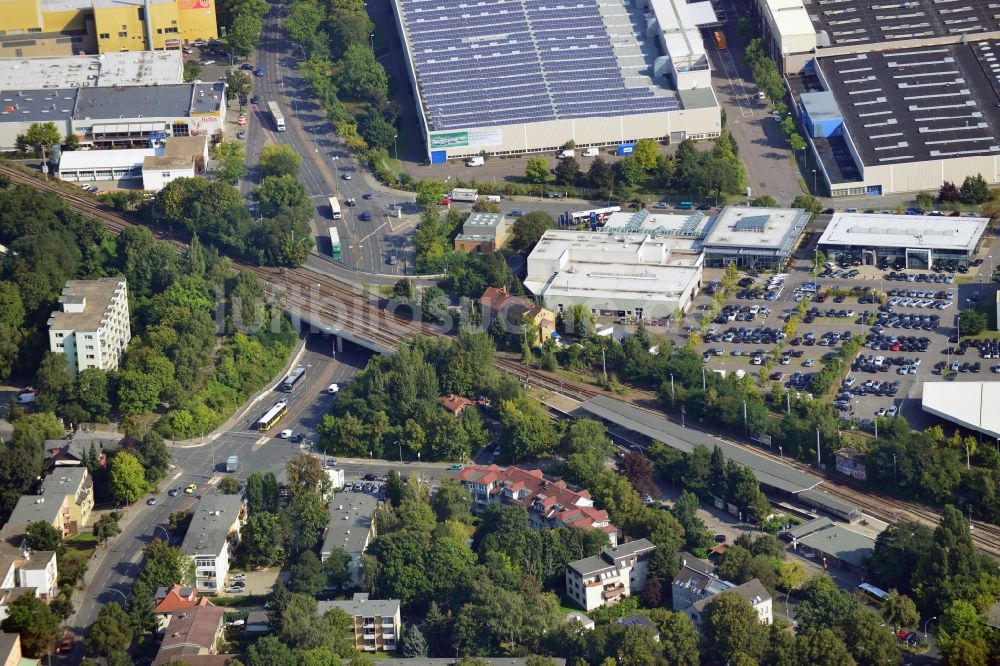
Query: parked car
(66, 643)
(286, 433)
(191, 487)
(457, 467)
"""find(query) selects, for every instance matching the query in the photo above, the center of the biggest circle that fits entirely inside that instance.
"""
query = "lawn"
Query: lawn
(74, 561)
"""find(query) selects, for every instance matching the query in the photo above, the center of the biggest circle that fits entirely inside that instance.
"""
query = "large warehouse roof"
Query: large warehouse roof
(655, 427)
(127, 68)
(757, 228)
(503, 62)
(915, 104)
(972, 405)
(904, 231)
(855, 22)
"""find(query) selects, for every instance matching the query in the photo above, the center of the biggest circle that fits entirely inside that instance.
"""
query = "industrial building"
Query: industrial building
(917, 241)
(92, 329)
(70, 27)
(116, 117)
(756, 238)
(898, 97)
(482, 233)
(127, 68)
(512, 77)
(173, 158)
(627, 276)
(972, 405)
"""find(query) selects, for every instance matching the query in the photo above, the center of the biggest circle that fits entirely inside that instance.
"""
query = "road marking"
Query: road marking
(259, 443)
(176, 476)
(214, 481)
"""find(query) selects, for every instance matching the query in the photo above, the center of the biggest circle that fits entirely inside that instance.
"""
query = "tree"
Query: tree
(628, 171)
(229, 161)
(279, 160)
(413, 644)
(269, 651)
(731, 626)
(526, 430)
(900, 611)
(362, 76)
(975, 190)
(91, 390)
(948, 193)
(645, 153)
(870, 640)
(765, 201)
(279, 195)
(38, 626)
(378, 128)
(567, 171)
(601, 176)
(536, 170)
(679, 637)
(961, 621)
(41, 135)
(639, 470)
(107, 527)
(259, 539)
(527, 229)
(972, 322)
(824, 604)
(822, 647)
(453, 501)
(40, 535)
(430, 192)
(244, 34)
(238, 84)
(307, 575)
(128, 478)
(809, 203)
(111, 631)
(166, 566)
(229, 486)
(53, 377)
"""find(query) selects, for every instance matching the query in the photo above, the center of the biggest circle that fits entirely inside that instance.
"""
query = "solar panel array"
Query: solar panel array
(914, 104)
(848, 22)
(483, 64)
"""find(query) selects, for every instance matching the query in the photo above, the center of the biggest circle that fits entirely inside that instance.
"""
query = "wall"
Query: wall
(155, 180)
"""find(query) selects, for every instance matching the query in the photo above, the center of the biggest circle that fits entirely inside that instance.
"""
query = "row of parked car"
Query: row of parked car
(764, 335)
(941, 277)
(957, 366)
(914, 321)
(987, 348)
(879, 387)
(894, 343)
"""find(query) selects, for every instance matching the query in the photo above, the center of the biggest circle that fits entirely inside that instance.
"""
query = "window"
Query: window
(88, 336)
(60, 345)
(204, 562)
(60, 335)
(90, 357)
(34, 29)
(159, 31)
(105, 35)
(90, 346)
(123, 34)
(170, 31)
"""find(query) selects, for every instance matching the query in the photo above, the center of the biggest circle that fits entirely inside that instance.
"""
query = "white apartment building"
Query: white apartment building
(376, 622)
(753, 591)
(214, 532)
(609, 577)
(92, 329)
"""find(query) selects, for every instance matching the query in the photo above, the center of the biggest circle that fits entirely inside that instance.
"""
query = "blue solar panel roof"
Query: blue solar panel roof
(482, 63)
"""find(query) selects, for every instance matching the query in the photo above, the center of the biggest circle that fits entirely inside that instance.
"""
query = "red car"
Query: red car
(66, 644)
(445, 201)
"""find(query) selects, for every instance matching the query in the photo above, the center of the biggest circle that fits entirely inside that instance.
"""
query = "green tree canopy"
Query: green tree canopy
(38, 626)
(128, 478)
(279, 160)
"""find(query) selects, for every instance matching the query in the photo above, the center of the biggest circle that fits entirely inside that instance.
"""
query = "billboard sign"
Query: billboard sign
(194, 4)
(626, 149)
(474, 138)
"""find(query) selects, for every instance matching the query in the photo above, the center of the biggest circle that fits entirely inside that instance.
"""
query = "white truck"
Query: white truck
(476, 161)
(463, 194)
(569, 152)
(232, 463)
(336, 478)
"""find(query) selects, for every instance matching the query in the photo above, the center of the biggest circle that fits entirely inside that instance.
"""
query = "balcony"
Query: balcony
(613, 592)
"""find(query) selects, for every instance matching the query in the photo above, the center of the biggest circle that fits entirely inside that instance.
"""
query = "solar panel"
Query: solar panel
(751, 223)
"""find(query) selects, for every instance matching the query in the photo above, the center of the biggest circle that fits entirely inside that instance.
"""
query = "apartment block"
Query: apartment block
(549, 502)
(213, 535)
(376, 621)
(607, 578)
(92, 329)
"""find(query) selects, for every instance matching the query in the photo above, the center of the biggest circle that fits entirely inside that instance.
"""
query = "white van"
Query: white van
(493, 198)
(591, 152)
(569, 152)
(476, 161)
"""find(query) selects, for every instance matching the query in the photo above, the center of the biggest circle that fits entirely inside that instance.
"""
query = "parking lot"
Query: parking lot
(908, 320)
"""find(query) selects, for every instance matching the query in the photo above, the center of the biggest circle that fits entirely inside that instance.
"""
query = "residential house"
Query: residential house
(175, 599)
(10, 651)
(8, 596)
(92, 329)
(455, 404)
(639, 620)
(29, 509)
(376, 621)
(214, 532)
(191, 634)
(351, 528)
(695, 581)
(71, 452)
(753, 591)
(258, 623)
(577, 616)
(75, 484)
(513, 312)
(550, 503)
(607, 578)
(21, 568)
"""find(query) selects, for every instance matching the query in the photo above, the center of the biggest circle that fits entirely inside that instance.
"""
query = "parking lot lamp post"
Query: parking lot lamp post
(372, 38)
(781, 453)
(682, 417)
(336, 169)
(814, 181)
(395, 153)
(702, 378)
(400, 445)
(672, 395)
(929, 620)
(819, 458)
(894, 479)
(746, 422)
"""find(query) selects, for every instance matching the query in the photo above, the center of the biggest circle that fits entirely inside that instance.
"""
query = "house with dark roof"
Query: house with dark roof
(695, 580)
(608, 578)
(175, 599)
(639, 620)
(513, 312)
(191, 634)
(753, 591)
(549, 502)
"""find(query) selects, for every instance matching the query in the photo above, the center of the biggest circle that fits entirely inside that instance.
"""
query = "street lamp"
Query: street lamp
(814, 181)
(400, 451)
(336, 169)
(372, 38)
(929, 620)
(125, 599)
(672, 396)
(395, 153)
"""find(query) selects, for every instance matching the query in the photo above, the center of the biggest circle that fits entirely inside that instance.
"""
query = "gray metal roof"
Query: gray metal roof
(362, 606)
(37, 105)
(655, 427)
(209, 529)
(804, 529)
(173, 101)
(350, 523)
(627, 549)
(840, 542)
(589, 566)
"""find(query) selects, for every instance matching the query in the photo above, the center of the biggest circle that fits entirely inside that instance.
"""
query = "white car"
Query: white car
(286, 433)
(332, 388)
(238, 577)
(891, 411)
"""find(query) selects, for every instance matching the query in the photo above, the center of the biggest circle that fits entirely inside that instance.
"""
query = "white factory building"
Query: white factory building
(124, 68)
(631, 275)
(894, 97)
(919, 241)
(757, 238)
(972, 405)
(172, 158)
(511, 77)
(116, 117)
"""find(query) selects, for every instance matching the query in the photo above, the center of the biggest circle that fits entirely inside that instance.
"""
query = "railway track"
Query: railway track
(318, 297)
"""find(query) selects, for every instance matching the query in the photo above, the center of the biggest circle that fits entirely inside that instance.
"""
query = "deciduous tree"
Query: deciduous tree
(229, 161)
(537, 170)
(111, 631)
(279, 160)
(35, 622)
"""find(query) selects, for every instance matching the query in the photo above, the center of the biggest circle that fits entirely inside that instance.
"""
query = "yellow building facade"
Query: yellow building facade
(69, 27)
